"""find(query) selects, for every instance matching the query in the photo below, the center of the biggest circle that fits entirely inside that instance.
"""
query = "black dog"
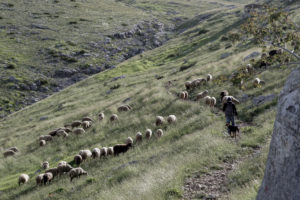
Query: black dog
(234, 130)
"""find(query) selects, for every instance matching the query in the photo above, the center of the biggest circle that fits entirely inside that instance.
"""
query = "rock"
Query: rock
(78, 77)
(33, 87)
(119, 36)
(43, 118)
(244, 98)
(225, 55)
(118, 77)
(282, 173)
(263, 99)
(252, 55)
(62, 73)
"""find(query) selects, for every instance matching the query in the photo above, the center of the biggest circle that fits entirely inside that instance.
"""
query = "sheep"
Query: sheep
(85, 154)
(77, 159)
(234, 100)
(62, 132)
(209, 77)
(53, 133)
(188, 85)
(249, 68)
(45, 165)
(159, 132)
(159, 120)
(87, 119)
(113, 118)
(64, 169)
(96, 153)
(15, 149)
(110, 150)
(223, 94)
(103, 151)
(124, 108)
(129, 140)
(257, 82)
(184, 95)
(39, 179)
(46, 137)
(9, 153)
(48, 177)
(171, 119)
(77, 172)
(202, 94)
(79, 131)
(67, 130)
(42, 143)
(148, 133)
(86, 124)
(121, 148)
(75, 124)
(101, 116)
(23, 178)
(207, 100)
(61, 163)
(213, 101)
(53, 171)
(138, 137)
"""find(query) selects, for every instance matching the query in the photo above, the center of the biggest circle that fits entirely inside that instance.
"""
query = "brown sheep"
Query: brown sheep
(53, 171)
(77, 172)
(202, 94)
(62, 169)
(9, 153)
(121, 148)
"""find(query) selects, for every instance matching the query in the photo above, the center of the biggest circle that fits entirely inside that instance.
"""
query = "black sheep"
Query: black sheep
(121, 148)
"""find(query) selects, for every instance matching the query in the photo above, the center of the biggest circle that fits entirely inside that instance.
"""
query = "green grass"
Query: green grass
(156, 169)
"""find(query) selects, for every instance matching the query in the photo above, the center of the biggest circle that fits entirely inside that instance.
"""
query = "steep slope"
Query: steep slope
(157, 169)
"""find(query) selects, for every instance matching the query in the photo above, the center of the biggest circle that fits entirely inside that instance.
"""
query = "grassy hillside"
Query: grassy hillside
(157, 169)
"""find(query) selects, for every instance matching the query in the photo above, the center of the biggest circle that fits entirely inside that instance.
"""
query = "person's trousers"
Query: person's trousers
(230, 118)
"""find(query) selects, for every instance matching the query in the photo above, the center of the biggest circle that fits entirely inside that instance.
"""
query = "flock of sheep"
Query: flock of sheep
(80, 127)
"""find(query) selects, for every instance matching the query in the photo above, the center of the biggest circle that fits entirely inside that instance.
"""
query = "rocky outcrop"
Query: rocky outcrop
(282, 174)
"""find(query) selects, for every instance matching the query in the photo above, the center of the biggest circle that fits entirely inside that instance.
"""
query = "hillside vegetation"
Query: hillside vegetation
(195, 145)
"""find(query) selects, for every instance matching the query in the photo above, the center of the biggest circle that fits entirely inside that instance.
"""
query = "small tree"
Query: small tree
(273, 26)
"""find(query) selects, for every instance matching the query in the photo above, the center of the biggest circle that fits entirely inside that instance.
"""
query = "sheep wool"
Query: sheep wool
(42, 143)
(101, 116)
(202, 94)
(46, 137)
(23, 178)
(159, 132)
(121, 148)
(8, 153)
(188, 85)
(61, 163)
(148, 133)
(62, 169)
(129, 140)
(209, 77)
(53, 171)
(86, 124)
(114, 117)
(62, 133)
(207, 100)
(103, 151)
(39, 179)
(87, 119)
(77, 172)
(48, 177)
(234, 100)
(96, 153)
(15, 149)
(75, 124)
(77, 159)
(138, 137)
(45, 165)
(78, 131)
(110, 150)
(213, 101)
(85, 154)
(159, 120)
(171, 119)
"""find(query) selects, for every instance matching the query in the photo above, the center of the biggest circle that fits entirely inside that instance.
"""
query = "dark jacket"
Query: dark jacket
(229, 109)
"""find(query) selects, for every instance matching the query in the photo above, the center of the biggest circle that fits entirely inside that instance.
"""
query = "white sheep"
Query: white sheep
(79, 131)
(138, 137)
(209, 77)
(148, 133)
(101, 116)
(159, 132)
(257, 82)
(86, 124)
(45, 165)
(62, 133)
(103, 151)
(171, 119)
(9, 153)
(85, 154)
(42, 142)
(15, 149)
(110, 151)
(213, 101)
(39, 179)
(159, 120)
(96, 153)
(113, 118)
(23, 178)
(207, 100)
(202, 94)
(184, 95)
(234, 100)
(77, 172)
(129, 140)
(46, 137)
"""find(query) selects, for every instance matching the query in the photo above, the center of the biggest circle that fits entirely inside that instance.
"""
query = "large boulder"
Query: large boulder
(282, 173)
